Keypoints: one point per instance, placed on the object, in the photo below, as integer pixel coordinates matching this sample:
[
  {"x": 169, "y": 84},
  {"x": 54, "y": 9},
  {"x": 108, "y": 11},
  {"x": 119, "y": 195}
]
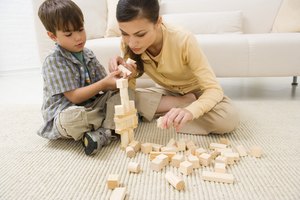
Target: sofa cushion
[
  {"x": 94, "y": 17},
  {"x": 207, "y": 22},
  {"x": 288, "y": 18}
]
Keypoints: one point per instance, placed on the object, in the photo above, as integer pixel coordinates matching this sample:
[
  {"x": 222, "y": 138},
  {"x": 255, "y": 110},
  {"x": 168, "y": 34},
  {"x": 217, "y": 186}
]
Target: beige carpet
[{"x": 35, "y": 168}]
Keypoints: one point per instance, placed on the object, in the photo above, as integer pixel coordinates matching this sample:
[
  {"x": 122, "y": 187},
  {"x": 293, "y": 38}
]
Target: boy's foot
[{"x": 93, "y": 141}]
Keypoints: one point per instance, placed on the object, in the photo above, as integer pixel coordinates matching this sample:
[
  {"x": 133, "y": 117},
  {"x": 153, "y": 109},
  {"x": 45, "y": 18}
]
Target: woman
[{"x": 188, "y": 95}]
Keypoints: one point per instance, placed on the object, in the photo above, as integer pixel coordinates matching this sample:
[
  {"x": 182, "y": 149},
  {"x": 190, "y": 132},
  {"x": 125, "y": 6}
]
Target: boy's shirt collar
[{"x": 87, "y": 55}]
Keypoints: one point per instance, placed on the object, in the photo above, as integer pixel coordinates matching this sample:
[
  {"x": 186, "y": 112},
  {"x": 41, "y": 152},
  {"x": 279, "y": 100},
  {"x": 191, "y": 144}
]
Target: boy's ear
[{"x": 52, "y": 36}]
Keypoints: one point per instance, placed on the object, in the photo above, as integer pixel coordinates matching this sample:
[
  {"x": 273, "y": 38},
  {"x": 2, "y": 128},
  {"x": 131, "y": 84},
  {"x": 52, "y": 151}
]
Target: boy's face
[{"x": 72, "y": 41}]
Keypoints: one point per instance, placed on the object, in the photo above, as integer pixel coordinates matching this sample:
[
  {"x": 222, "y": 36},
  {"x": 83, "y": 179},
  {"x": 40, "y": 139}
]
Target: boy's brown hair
[{"x": 60, "y": 15}]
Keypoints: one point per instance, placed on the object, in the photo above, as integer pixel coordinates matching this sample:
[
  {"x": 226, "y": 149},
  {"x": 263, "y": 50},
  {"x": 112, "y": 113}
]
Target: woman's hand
[
  {"x": 177, "y": 117},
  {"x": 114, "y": 63}
]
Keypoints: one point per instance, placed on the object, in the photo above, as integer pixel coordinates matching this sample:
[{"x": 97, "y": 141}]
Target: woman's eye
[{"x": 141, "y": 35}]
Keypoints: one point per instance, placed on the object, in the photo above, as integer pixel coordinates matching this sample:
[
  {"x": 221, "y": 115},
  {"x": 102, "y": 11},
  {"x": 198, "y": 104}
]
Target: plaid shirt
[{"x": 62, "y": 72}]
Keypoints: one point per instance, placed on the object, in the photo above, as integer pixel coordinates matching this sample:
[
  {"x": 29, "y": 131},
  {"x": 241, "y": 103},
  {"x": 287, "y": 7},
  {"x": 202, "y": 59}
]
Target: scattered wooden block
[
  {"x": 134, "y": 167},
  {"x": 136, "y": 145},
  {"x": 194, "y": 160},
  {"x": 200, "y": 151},
  {"x": 146, "y": 148},
  {"x": 130, "y": 151},
  {"x": 171, "y": 143},
  {"x": 169, "y": 149},
  {"x": 225, "y": 141},
  {"x": 221, "y": 159},
  {"x": 205, "y": 159},
  {"x": 153, "y": 154},
  {"x": 191, "y": 146},
  {"x": 231, "y": 157},
  {"x": 186, "y": 167},
  {"x": 118, "y": 193},
  {"x": 156, "y": 147},
  {"x": 175, "y": 181},
  {"x": 227, "y": 150},
  {"x": 220, "y": 167},
  {"x": 159, "y": 162},
  {"x": 256, "y": 151},
  {"x": 241, "y": 150},
  {"x": 176, "y": 160},
  {"x": 214, "y": 154},
  {"x": 217, "y": 146},
  {"x": 159, "y": 123},
  {"x": 217, "y": 177},
  {"x": 113, "y": 181},
  {"x": 181, "y": 145}
]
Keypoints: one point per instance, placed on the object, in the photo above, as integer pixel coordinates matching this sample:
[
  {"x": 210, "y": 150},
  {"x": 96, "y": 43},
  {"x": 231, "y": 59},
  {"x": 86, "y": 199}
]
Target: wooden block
[
  {"x": 200, "y": 151},
  {"x": 224, "y": 141},
  {"x": 169, "y": 149},
  {"x": 214, "y": 154},
  {"x": 217, "y": 145},
  {"x": 113, "y": 181},
  {"x": 124, "y": 140},
  {"x": 131, "y": 105},
  {"x": 175, "y": 181},
  {"x": 134, "y": 167},
  {"x": 227, "y": 150},
  {"x": 217, "y": 177},
  {"x": 159, "y": 122},
  {"x": 181, "y": 145},
  {"x": 176, "y": 160},
  {"x": 124, "y": 70},
  {"x": 153, "y": 154},
  {"x": 146, "y": 148},
  {"x": 156, "y": 147},
  {"x": 221, "y": 159},
  {"x": 171, "y": 143},
  {"x": 194, "y": 160},
  {"x": 157, "y": 164},
  {"x": 205, "y": 159},
  {"x": 136, "y": 145},
  {"x": 220, "y": 167},
  {"x": 118, "y": 194},
  {"x": 130, "y": 151},
  {"x": 164, "y": 158},
  {"x": 124, "y": 98},
  {"x": 120, "y": 110},
  {"x": 122, "y": 83},
  {"x": 241, "y": 150},
  {"x": 256, "y": 151},
  {"x": 131, "y": 136},
  {"x": 191, "y": 146},
  {"x": 186, "y": 167},
  {"x": 130, "y": 61},
  {"x": 231, "y": 157}
]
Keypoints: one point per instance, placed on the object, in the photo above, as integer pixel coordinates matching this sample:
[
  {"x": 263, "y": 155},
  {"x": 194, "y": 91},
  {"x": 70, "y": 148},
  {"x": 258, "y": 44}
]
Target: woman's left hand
[{"x": 177, "y": 117}]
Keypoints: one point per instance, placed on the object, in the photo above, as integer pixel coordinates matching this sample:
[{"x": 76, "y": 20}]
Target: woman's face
[{"x": 139, "y": 34}]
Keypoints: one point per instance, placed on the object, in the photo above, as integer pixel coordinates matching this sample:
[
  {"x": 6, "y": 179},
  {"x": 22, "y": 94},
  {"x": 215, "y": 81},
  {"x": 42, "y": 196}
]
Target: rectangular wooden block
[
  {"x": 113, "y": 181},
  {"x": 118, "y": 193},
  {"x": 217, "y": 145},
  {"x": 122, "y": 83},
  {"x": 146, "y": 147},
  {"x": 241, "y": 150},
  {"x": 153, "y": 154},
  {"x": 217, "y": 177}
]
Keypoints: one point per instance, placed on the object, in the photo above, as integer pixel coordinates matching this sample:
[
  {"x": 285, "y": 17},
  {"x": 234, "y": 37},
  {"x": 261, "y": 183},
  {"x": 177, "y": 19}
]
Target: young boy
[{"x": 73, "y": 77}]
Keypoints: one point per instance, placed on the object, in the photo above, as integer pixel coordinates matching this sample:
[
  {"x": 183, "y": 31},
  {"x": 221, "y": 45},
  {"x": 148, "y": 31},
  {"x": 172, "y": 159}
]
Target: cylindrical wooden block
[
  {"x": 130, "y": 151},
  {"x": 134, "y": 167},
  {"x": 175, "y": 181},
  {"x": 256, "y": 151}
]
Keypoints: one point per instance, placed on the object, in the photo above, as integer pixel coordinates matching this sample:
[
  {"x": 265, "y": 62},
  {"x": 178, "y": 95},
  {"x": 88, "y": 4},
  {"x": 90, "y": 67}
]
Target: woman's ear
[
  {"x": 159, "y": 21},
  {"x": 52, "y": 36}
]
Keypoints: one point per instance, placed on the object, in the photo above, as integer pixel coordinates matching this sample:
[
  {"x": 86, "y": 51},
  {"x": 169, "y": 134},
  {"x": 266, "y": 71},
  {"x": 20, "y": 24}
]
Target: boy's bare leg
[{"x": 168, "y": 102}]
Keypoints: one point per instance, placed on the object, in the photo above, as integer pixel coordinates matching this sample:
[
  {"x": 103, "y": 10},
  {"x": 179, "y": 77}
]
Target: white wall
[{"x": 18, "y": 47}]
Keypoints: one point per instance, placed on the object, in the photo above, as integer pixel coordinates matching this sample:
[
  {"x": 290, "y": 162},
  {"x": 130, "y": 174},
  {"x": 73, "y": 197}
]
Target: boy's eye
[
  {"x": 68, "y": 34},
  {"x": 82, "y": 29}
]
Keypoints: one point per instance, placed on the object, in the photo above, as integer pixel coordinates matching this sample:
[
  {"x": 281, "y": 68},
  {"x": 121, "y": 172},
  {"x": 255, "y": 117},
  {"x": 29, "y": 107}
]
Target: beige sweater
[{"x": 181, "y": 67}]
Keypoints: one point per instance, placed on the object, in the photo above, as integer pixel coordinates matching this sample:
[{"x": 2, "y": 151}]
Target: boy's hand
[
  {"x": 177, "y": 117},
  {"x": 110, "y": 80}
]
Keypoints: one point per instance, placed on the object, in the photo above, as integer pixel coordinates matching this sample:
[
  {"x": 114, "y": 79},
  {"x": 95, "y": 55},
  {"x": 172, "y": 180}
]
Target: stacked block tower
[{"x": 125, "y": 118}]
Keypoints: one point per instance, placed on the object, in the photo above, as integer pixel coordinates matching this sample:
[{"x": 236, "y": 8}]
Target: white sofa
[{"x": 241, "y": 38}]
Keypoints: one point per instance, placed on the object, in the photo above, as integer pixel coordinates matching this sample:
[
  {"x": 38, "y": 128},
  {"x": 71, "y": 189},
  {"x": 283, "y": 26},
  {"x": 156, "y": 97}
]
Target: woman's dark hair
[{"x": 128, "y": 10}]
